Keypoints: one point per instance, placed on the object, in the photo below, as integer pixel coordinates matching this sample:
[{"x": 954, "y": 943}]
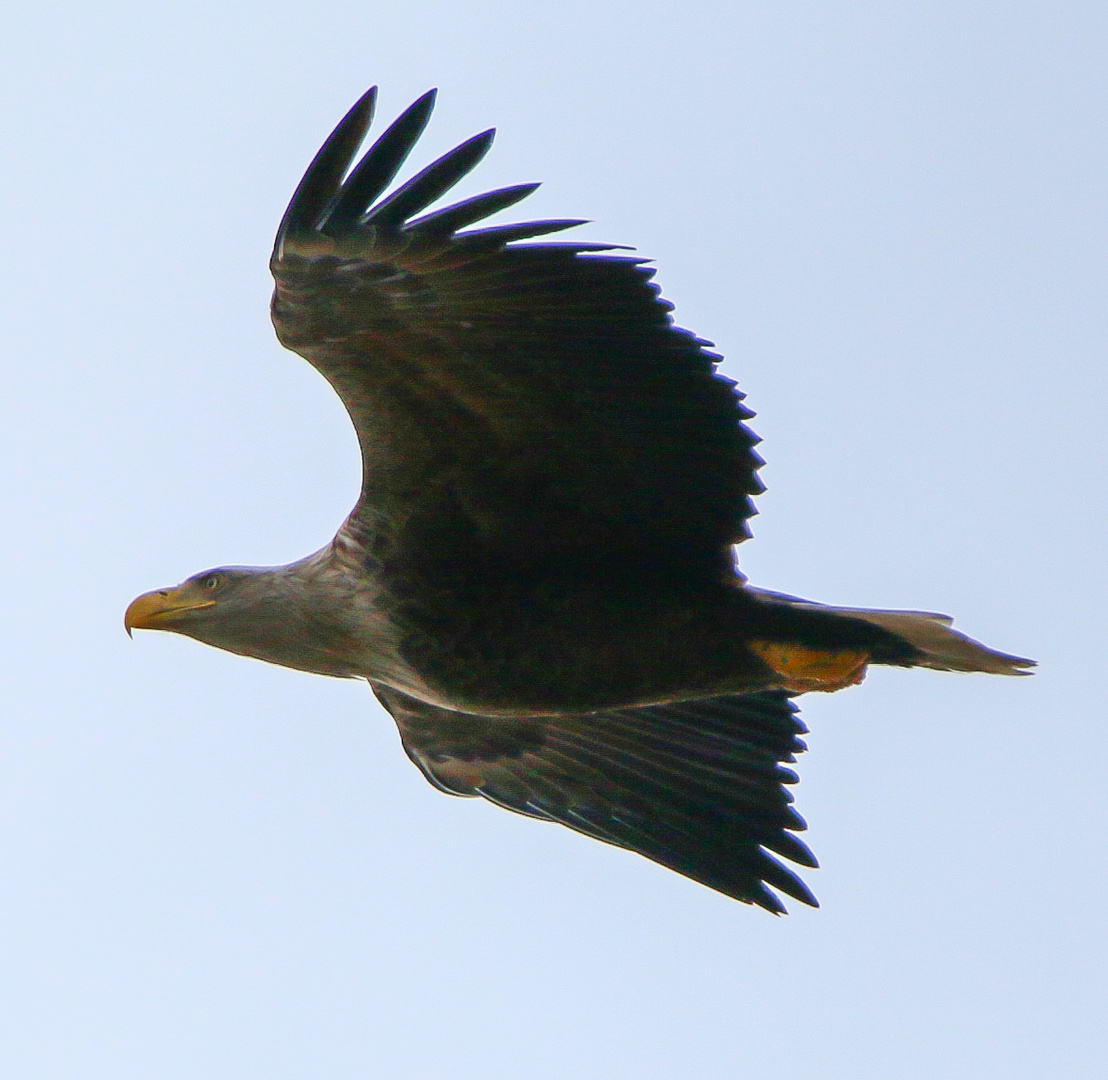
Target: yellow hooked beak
[{"x": 155, "y": 610}]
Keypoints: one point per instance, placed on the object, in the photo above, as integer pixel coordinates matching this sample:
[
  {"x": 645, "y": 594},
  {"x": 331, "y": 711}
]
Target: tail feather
[{"x": 943, "y": 648}]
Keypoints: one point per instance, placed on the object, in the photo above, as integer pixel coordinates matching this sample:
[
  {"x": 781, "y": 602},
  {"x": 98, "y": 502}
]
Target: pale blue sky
[{"x": 890, "y": 216}]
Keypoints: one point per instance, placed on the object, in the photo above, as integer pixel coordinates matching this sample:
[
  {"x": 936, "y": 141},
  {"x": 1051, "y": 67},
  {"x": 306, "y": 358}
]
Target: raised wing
[
  {"x": 520, "y": 402},
  {"x": 698, "y": 787}
]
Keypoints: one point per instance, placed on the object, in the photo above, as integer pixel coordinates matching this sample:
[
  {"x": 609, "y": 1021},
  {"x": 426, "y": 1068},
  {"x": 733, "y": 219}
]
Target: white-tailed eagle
[{"x": 538, "y": 580}]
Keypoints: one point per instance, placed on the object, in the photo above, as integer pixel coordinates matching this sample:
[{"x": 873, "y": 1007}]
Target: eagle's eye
[{"x": 210, "y": 582}]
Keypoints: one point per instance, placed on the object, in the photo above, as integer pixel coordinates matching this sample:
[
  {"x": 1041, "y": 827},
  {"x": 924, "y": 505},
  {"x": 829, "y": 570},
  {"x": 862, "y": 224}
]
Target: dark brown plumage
[{"x": 538, "y": 579}]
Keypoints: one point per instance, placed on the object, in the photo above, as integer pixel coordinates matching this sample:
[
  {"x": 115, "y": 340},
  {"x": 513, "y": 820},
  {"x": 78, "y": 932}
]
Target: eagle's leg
[{"x": 803, "y": 669}]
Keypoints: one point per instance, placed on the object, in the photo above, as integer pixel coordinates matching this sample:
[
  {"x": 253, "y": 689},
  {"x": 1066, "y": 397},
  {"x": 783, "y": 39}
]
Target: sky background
[{"x": 891, "y": 217}]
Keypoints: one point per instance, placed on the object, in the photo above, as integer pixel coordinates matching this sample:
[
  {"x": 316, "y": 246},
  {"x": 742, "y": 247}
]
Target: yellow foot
[{"x": 803, "y": 669}]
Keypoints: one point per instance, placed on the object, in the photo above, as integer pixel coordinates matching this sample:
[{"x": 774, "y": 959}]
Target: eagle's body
[{"x": 539, "y": 579}]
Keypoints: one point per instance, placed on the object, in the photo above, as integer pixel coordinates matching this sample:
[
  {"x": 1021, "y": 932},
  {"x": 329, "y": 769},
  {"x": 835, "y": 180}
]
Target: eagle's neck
[{"x": 298, "y": 616}]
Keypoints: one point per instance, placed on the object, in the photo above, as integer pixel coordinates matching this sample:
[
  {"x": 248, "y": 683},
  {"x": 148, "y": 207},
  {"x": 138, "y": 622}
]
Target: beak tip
[{"x": 138, "y": 611}]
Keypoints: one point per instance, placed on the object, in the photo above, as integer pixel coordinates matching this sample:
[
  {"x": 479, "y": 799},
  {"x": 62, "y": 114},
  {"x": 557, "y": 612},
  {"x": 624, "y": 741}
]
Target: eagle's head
[{"x": 293, "y": 615}]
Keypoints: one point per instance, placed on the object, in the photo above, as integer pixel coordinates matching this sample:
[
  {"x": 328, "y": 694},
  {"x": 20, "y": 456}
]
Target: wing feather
[
  {"x": 452, "y": 218},
  {"x": 381, "y": 163},
  {"x": 528, "y": 402},
  {"x": 697, "y": 787},
  {"x": 323, "y": 178},
  {"x": 430, "y": 184}
]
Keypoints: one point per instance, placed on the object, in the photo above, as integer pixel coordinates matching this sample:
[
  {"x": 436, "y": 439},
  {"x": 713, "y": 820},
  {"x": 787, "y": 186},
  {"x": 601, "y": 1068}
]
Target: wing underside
[
  {"x": 699, "y": 787},
  {"x": 527, "y": 398}
]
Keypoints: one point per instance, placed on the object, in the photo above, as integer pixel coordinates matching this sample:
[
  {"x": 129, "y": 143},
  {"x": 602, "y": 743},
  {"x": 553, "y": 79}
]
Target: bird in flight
[{"x": 538, "y": 580}]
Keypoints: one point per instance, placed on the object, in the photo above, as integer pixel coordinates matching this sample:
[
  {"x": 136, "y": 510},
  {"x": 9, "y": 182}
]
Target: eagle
[{"x": 538, "y": 580}]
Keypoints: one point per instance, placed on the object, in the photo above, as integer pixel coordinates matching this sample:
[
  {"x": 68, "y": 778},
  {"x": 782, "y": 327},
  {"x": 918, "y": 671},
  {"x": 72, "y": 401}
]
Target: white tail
[{"x": 943, "y": 647}]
